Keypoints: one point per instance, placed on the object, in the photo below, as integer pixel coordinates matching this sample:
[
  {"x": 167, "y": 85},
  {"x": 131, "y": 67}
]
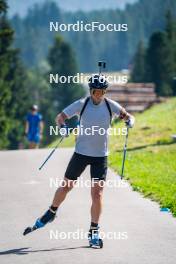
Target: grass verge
[{"x": 151, "y": 158}]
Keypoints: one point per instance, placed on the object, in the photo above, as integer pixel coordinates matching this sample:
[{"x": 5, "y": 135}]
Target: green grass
[{"x": 151, "y": 158}]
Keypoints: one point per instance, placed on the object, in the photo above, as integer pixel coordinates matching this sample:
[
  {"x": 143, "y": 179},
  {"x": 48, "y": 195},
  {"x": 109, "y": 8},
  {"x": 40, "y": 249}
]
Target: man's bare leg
[
  {"x": 33, "y": 145},
  {"x": 62, "y": 191},
  {"x": 59, "y": 197},
  {"x": 96, "y": 208}
]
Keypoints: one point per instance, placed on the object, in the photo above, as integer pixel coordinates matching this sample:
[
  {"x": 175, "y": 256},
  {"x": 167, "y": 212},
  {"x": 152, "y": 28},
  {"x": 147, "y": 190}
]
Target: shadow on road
[{"x": 23, "y": 251}]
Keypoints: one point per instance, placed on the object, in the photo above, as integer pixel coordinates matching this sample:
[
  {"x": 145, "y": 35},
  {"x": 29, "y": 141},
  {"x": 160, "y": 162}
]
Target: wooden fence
[{"x": 135, "y": 97}]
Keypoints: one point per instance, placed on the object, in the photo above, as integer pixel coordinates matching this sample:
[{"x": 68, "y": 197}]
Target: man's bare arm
[
  {"x": 41, "y": 127},
  {"x": 26, "y": 127}
]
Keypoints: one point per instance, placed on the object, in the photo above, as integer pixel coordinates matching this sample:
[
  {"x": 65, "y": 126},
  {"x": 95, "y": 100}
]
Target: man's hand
[
  {"x": 64, "y": 131},
  {"x": 130, "y": 122},
  {"x": 60, "y": 119}
]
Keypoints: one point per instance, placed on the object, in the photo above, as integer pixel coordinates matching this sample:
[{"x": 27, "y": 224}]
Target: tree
[
  {"x": 139, "y": 67},
  {"x": 171, "y": 49},
  {"x": 62, "y": 61},
  {"x": 161, "y": 58},
  {"x": 6, "y": 36},
  {"x": 158, "y": 63},
  {"x": 13, "y": 94},
  {"x": 20, "y": 100}
]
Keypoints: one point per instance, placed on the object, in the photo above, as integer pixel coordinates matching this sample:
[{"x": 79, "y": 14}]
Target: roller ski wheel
[
  {"x": 48, "y": 217},
  {"x": 96, "y": 243},
  {"x": 29, "y": 229},
  {"x": 94, "y": 239}
]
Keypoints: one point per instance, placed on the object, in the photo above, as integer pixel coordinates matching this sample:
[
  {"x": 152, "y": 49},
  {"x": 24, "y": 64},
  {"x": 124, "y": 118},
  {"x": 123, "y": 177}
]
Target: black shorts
[{"x": 78, "y": 163}]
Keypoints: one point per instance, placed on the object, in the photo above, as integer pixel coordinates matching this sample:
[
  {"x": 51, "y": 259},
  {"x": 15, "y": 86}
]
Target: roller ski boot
[
  {"x": 48, "y": 217},
  {"x": 94, "y": 239}
]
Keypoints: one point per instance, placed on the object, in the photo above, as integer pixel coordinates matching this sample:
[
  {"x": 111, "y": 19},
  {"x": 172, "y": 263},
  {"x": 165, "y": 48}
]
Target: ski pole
[
  {"x": 49, "y": 156},
  {"x": 124, "y": 153}
]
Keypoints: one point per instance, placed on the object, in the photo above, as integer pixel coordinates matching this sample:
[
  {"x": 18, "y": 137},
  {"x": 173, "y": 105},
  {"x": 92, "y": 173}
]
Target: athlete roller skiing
[{"x": 95, "y": 110}]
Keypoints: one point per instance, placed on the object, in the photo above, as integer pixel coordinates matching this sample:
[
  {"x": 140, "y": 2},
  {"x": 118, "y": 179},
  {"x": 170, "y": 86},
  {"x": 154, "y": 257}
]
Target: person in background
[{"x": 34, "y": 127}]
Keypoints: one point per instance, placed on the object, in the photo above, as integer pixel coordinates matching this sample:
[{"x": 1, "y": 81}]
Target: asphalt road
[{"x": 134, "y": 229}]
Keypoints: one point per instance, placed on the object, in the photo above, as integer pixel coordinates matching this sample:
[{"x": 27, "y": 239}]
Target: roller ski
[
  {"x": 94, "y": 239},
  {"x": 48, "y": 217}
]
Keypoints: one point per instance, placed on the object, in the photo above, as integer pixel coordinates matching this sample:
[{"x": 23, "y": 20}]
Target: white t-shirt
[{"x": 95, "y": 120}]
